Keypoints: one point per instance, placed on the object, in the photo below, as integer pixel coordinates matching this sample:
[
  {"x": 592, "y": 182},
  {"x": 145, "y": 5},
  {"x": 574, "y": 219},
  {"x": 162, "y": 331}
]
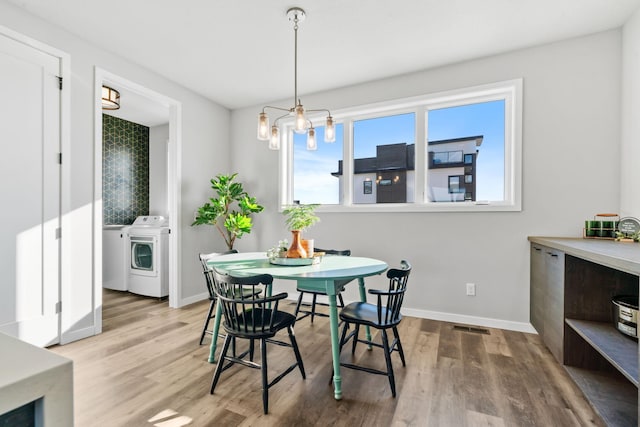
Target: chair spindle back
[
  {"x": 245, "y": 312},
  {"x": 390, "y": 312}
]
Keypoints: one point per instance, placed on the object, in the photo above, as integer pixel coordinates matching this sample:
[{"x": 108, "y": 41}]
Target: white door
[{"x": 30, "y": 193}]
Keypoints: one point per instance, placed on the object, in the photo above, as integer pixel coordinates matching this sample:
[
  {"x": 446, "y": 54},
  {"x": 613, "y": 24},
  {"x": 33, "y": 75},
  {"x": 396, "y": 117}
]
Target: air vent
[{"x": 471, "y": 329}]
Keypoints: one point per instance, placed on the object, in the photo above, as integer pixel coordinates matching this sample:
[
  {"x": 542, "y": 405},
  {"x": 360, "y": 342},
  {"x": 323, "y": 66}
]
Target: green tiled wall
[{"x": 125, "y": 170}]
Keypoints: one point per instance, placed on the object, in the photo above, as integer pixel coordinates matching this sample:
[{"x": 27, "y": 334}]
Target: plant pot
[{"x": 296, "y": 250}]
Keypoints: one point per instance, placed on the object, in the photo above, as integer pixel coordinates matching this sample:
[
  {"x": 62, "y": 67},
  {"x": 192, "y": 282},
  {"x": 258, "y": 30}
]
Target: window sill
[{"x": 422, "y": 207}]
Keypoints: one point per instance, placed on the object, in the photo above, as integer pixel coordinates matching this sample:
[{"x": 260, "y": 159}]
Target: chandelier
[{"x": 301, "y": 123}]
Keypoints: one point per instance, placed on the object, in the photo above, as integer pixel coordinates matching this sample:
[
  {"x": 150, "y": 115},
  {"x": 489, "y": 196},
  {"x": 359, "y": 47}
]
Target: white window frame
[{"x": 510, "y": 91}]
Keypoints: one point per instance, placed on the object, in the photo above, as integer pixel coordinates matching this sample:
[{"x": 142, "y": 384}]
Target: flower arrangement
[{"x": 279, "y": 250}]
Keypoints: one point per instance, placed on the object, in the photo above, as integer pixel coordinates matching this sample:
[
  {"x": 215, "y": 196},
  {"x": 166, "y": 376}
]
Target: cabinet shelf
[
  {"x": 619, "y": 350},
  {"x": 613, "y": 398}
]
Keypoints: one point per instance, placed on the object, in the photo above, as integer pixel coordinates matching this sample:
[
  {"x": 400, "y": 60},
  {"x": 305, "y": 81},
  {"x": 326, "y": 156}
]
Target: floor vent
[{"x": 471, "y": 329}]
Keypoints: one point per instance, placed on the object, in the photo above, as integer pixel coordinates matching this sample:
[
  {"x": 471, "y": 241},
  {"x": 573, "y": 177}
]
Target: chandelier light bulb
[
  {"x": 274, "y": 141},
  {"x": 311, "y": 139},
  {"x": 263, "y": 127},
  {"x": 329, "y": 130},
  {"x": 301, "y": 120}
]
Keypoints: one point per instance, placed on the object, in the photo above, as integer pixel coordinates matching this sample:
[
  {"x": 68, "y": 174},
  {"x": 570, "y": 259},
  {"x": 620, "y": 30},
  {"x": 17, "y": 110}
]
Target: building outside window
[{"x": 440, "y": 173}]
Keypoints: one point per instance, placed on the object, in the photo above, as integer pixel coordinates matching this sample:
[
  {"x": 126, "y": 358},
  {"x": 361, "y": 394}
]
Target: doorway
[{"x": 162, "y": 115}]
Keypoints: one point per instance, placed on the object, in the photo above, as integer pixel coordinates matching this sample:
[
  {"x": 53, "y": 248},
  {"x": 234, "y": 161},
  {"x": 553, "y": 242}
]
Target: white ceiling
[{"x": 240, "y": 53}]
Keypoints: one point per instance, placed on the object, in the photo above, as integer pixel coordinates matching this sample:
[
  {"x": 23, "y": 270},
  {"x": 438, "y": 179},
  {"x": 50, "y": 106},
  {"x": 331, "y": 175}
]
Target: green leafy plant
[
  {"x": 232, "y": 224},
  {"x": 300, "y": 217}
]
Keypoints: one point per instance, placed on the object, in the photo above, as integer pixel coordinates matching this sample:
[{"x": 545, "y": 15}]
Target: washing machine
[{"x": 148, "y": 267}]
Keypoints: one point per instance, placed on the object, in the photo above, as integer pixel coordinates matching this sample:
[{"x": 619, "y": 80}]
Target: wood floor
[{"x": 147, "y": 369}]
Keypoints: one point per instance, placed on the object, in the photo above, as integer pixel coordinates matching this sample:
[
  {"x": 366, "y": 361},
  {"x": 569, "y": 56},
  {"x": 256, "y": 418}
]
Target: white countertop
[{"x": 28, "y": 373}]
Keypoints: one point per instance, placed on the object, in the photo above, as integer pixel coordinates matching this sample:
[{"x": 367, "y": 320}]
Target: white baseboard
[
  {"x": 71, "y": 336},
  {"x": 458, "y": 318},
  {"x": 192, "y": 299},
  {"x": 471, "y": 320}
]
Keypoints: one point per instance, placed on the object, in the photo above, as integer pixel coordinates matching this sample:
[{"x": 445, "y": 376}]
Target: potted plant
[
  {"x": 299, "y": 218},
  {"x": 219, "y": 211}
]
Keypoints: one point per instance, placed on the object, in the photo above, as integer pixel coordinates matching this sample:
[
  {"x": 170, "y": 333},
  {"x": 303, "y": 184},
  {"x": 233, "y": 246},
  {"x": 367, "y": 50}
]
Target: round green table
[{"x": 321, "y": 276}]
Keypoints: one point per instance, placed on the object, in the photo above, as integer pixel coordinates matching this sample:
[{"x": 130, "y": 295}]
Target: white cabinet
[{"x": 115, "y": 259}]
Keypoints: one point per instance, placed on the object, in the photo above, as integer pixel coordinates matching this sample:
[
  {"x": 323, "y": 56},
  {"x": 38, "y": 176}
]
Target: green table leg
[
  {"x": 335, "y": 344},
  {"x": 214, "y": 335},
  {"x": 363, "y": 298}
]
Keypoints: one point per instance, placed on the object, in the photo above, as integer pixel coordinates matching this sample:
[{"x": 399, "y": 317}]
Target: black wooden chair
[
  {"x": 248, "y": 317},
  {"x": 212, "y": 297},
  {"x": 312, "y": 311},
  {"x": 383, "y": 315}
]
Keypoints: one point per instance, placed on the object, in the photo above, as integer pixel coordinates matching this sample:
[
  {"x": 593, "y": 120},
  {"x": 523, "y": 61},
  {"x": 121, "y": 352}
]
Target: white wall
[
  {"x": 158, "y": 178},
  {"x": 205, "y": 136},
  {"x": 630, "y": 146},
  {"x": 571, "y": 161}
]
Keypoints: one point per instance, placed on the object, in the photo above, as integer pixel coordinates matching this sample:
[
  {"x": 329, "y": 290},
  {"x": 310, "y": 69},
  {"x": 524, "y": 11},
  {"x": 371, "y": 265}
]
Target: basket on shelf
[{"x": 603, "y": 226}]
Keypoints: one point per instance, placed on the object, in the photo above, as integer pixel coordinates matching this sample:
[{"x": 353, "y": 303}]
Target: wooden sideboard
[{"x": 572, "y": 283}]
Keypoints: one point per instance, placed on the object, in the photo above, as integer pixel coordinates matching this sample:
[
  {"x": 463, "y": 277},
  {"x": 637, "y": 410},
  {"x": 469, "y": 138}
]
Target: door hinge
[
  {"x": 58, "y": 233},
  {"x": 60, "y": 158},
  {"x": 60, "y": 82},
  {"x": 59, "y": 307}
]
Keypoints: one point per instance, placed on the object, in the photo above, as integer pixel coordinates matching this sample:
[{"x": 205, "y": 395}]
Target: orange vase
[{"x": 296, "y": 250}]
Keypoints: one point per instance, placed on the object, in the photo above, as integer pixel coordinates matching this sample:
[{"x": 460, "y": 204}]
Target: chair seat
[
  {"x": 256, "y": 318},
  {"x": 366, "y": 314}
]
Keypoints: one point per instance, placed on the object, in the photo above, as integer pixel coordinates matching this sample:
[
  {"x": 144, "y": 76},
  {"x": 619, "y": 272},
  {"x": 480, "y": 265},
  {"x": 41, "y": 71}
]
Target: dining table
[{"x": 325, "y": 275}]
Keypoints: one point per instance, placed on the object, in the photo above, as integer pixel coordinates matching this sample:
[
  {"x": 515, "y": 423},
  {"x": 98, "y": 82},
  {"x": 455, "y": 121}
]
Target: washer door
[{"x": 143, "y": 256}]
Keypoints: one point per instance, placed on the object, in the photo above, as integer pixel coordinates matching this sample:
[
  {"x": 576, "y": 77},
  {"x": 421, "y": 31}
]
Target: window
[
  {"x": 314, "y": 179},
  {"x": 445, "y": 158},
  {"x": 476, "y": 129},
  {"x": 380, "y": 153},
  {"x": 454, "y": 185},
  {"x": 452, "y": 151},
  {"x": 368, "y": 187}
]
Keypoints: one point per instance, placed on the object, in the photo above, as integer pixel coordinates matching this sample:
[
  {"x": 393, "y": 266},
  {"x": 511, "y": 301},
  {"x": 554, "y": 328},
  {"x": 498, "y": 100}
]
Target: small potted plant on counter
[{"x": 299, "y": 218}]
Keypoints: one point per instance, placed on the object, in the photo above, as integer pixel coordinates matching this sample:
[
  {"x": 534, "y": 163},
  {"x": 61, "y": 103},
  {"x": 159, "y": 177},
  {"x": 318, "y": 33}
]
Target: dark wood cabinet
[
  {"x": 573, "y": 313},
  {"x": 547, "y": 296}
]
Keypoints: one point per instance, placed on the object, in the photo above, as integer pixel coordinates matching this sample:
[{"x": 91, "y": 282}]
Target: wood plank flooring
[{"x": 147, "y": 369}]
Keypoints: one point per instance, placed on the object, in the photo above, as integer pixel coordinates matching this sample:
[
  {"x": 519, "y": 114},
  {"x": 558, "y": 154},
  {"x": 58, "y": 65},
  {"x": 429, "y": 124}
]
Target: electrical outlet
[{"x": 471, "y": 289}]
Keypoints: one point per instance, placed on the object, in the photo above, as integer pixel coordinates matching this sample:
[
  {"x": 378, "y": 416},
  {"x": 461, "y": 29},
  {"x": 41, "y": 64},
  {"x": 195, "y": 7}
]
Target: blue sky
[{"x": 312, "y": 169}]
